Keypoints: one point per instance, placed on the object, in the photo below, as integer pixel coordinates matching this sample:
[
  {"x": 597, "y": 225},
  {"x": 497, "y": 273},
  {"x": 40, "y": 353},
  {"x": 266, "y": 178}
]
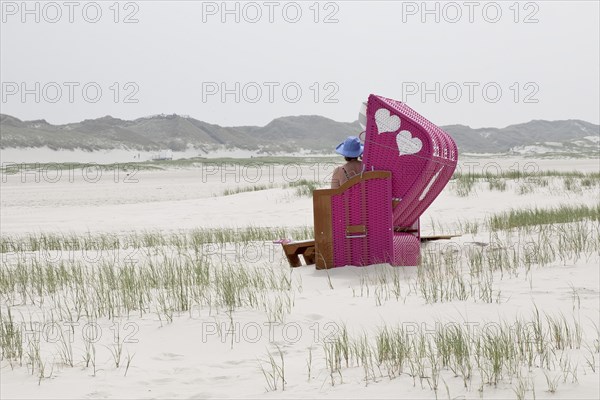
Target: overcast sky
[{"x": 481, "y": 64}]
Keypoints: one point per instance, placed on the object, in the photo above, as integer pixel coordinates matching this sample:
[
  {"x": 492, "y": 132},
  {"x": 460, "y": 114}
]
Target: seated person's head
[{"x": 351, "y": 148}]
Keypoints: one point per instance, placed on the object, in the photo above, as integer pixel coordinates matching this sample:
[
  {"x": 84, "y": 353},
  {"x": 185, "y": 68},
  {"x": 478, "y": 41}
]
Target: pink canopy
[{"x": 374, "y": 217}]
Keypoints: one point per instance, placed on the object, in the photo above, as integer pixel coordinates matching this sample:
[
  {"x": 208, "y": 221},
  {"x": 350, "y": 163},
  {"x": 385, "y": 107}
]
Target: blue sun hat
[{"x": 351, "y": 147}]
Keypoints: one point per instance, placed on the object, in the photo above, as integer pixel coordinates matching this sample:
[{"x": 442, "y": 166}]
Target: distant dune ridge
[{"x": 286, "y": 134}]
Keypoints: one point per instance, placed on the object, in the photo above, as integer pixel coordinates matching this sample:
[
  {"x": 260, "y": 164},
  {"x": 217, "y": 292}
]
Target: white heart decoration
[
  {"x": 386, "y": 122},
  {"x": 408, "y": 144}
]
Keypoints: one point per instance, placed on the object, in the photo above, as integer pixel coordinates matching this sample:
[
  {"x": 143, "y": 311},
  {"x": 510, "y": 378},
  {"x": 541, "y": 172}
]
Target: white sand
[{"x": 187, "y": 359}]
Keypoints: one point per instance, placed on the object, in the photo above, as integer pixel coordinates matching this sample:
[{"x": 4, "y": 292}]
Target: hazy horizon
[
  {"x": 283, "y": 116},
  {"x": 194, "y": 58}
]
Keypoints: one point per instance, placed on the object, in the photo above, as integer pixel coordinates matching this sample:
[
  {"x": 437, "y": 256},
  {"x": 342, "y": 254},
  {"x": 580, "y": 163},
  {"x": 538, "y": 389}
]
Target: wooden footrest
[
  {"x": 306, "y": 248},
  {"x": 437, "y": 237}
]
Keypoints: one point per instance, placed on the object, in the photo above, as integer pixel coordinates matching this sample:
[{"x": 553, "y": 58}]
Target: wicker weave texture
[
  {"x": 363, "y": 205},
  {"x": 407, "y": 249}
]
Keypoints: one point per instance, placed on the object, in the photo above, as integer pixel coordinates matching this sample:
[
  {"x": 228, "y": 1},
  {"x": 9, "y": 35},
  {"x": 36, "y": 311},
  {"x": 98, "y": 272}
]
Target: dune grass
[
  {"x": 483, "y": 354},
  {"x": 564, "y": 213},
  {"x": 244, "y": 189},
  {"x": 453, "y": 271},
  {"x": 524, "y": 182},
  {"x": 305, "y": 187},
  {"x": 165, "y": 285},
  {"x": 180, "y": 240},
  {"x": 518, "y": 174},
  {"x": 192, "y": 162}
]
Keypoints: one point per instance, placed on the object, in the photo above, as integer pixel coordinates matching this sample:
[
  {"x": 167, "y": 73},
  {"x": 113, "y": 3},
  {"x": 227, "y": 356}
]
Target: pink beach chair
[{"x": 374, "y": 217}]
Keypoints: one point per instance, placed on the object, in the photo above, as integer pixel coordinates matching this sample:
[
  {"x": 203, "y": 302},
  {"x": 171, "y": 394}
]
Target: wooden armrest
[{"x": 353, "y": 181}]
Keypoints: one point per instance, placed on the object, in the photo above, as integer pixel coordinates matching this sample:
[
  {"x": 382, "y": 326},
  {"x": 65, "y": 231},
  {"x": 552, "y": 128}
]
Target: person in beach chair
[{"x": 351, "y": 149}]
